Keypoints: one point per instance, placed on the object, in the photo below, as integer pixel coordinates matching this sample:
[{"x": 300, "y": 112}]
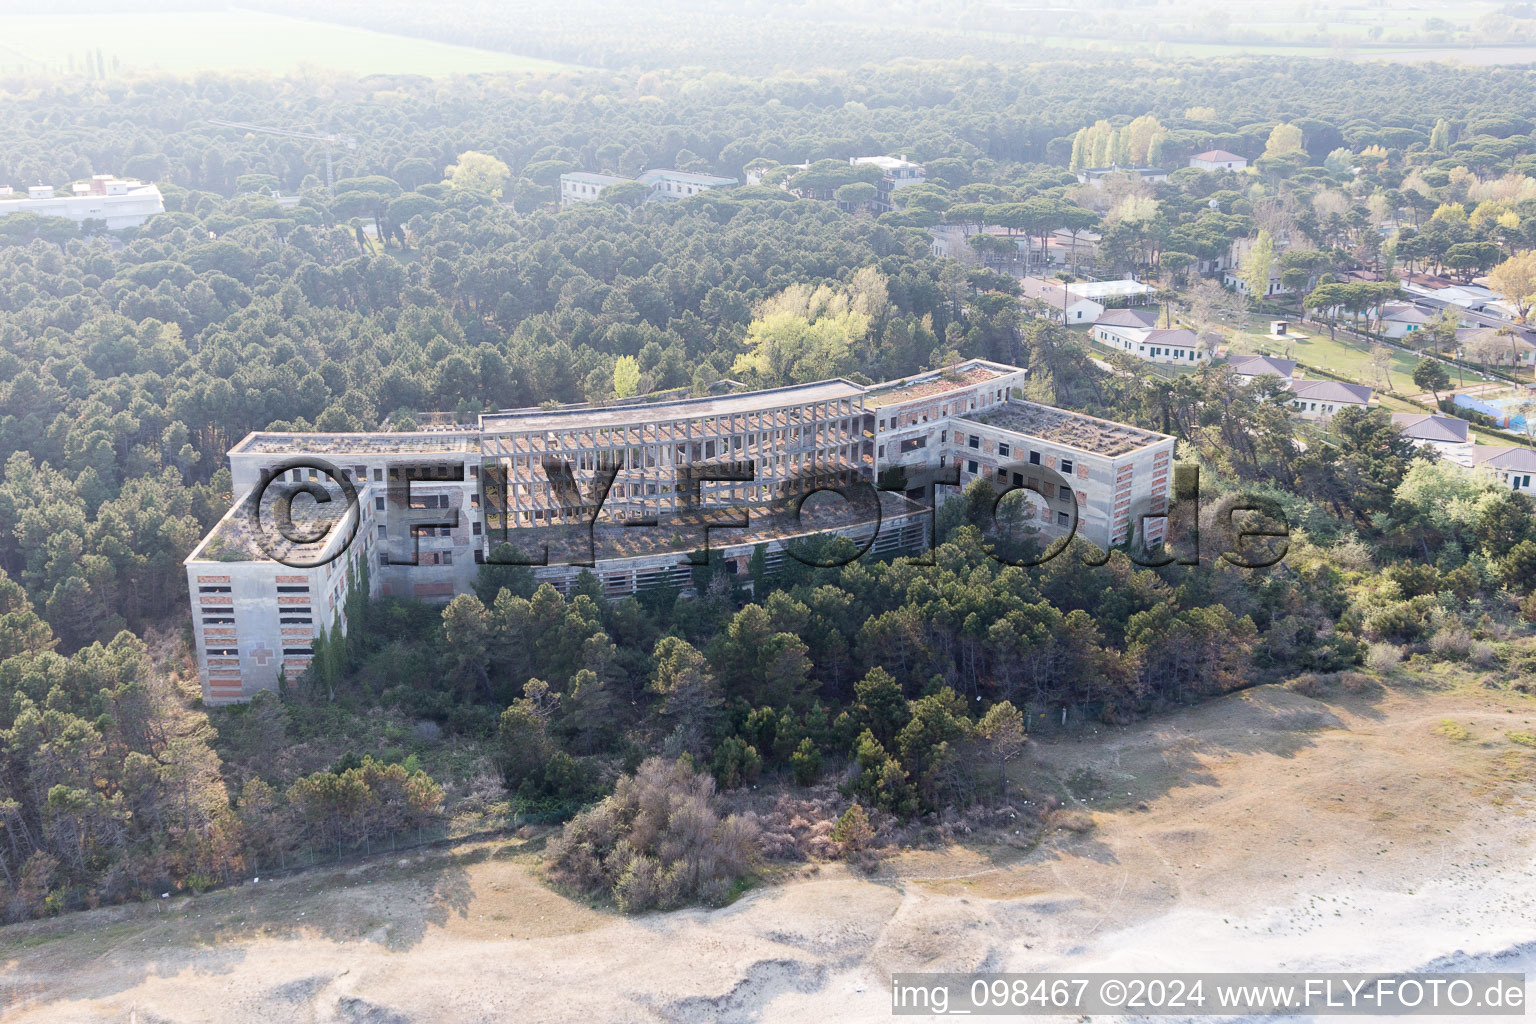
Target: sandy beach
[{"x": 1263, "y": 831}]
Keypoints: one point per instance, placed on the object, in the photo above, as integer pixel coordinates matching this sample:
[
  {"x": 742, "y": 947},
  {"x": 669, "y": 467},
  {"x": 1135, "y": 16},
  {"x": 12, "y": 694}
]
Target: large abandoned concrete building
[{"x": 634, "y": 492}]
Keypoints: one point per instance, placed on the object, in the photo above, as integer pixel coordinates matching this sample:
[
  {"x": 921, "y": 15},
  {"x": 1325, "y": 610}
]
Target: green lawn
[
  {"x": 1347, "y": 358},
  {"x": 184, "y": 42}
]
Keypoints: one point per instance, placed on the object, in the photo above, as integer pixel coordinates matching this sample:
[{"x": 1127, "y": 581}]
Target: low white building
[
  {"x": 664, "y": 183},
  {"x": 1119, "y": 292},
  {"x": 1321, "y": 400},
  {"x": 1501, "y": 346},
  {"x": 118, "y": 202},
  {"x": 669, "y": 184},
  {"x": 1400, "y": 319},
  {"x": 1134, "y": 332},
  {"x": 1218, "y": 160},
  {"x": 1448, "y": 436},
  {"x": 1512, "y": 465},
  {"x": 584, "y": 186},
  {"x": 1249, "y": 368},
  {"x": 1095, "y": 175},
  {"x": 1068, "y": 306},
  {"x": 1176, "y": 345}
]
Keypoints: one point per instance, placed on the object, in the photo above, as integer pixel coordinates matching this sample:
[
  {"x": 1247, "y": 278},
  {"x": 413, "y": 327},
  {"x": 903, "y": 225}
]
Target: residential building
[
  {"x": 670, "y": 184},
  {"x": 1321, "y": 400},
  {"x": 1095, "y": 175},
  {"x": 666, "y": 184},
  {"x": 583, "y": 186},
  {"x": 1511, "y": 465},
  {"x": 1400, "y": 319},
  {"x": 117, "y": 202},
  {"x": 1067, "y": 306},
  {"x": 1464, "y": 297},
  {"x": 1232, "y": 277},
  {"x": 1249, "y": 368},
  {"x": 1218, "y": 160},
  {"x": 630, "y": 492},
  {"x": 895, "y": 173},
  {"x": 1500, "y": 346},
  {"x": 1135, "y": 332},
  {"x": 1448, "y": 436}
]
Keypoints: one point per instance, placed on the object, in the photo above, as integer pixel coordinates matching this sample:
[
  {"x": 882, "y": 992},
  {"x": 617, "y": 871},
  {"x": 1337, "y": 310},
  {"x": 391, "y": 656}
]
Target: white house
[
  {"x": 1232, "y": 277},
  {"x": 1321, "y": 399},
  {"x": 1172, "y": 345},
  {"x": 1064, "y": 302},
  {"x": 119, "y": 202},
  {"x": 1512, "y": 465},
  {"x": 1501, "y": 346},
  {"x": 665, "y": 183},
  {"x": 583, "y": 186},
  {"x": 1218, "y": 160},
  {"x": 1400, "y": 319},
  {"x": 1095, "y": 175},
  {"x": 1447, "y": 436},
  {"x": 669, "y": 184},
  {"x": 1134, "y": 332},
  {"x": 1124, "y": 329},
  {"x": 1249, "y": 368}
]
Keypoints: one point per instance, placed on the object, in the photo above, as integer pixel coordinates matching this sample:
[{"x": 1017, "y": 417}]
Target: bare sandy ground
[{"x": 1265, "y": 831}]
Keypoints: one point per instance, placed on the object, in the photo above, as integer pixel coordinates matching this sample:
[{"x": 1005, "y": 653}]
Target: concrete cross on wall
[{"x": 263, "y": 655}]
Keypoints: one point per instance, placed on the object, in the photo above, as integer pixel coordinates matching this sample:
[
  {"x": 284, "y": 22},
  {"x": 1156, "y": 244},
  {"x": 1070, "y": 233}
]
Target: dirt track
[{"x": 1275, "y": 829}]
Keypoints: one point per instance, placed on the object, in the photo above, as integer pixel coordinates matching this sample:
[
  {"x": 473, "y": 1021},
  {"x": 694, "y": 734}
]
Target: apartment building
[
  {"x": 118, "y": 202},
  {"x": 632, "y": 492},
  {"x": 895, "y": 173}
]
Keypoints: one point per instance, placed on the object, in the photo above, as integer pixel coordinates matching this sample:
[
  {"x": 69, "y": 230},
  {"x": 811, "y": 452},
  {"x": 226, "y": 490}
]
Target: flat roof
[
  {"x": 1107, "y": 289},
  {"x": 235, "y": 537},
  {"x": 693, "y": 176},
  {"x": 460, "y": 439},
  {"x": 938, "y": 382},
  {"x": 597, "y": 417},
  {"x": 592, "y": 178},
  {"x": 1069, "y": 429}
]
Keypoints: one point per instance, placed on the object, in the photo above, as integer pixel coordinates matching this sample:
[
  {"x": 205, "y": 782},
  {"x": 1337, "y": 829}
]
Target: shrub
[
  {"x": 1450, "y": 643},
  {"x": 658, "y": 841},
  {"x": 1308, "y": 684},
  {"x": 1355, "y": 682},
  {"x": 1528, "y": 608},
  {"x": 1482, "y": 653},
  {"x": 1078, "y": 822},
  {"x": 1383, "y": 657}
]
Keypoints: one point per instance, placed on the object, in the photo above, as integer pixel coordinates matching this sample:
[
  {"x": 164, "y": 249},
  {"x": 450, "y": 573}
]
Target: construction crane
[{"x": 331, "y": 140}]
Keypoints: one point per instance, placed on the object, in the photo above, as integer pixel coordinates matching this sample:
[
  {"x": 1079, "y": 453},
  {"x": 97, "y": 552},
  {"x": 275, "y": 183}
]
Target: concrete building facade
[
  {"x": 631, "y": 492},
  {"x": 118, "y": 202}
]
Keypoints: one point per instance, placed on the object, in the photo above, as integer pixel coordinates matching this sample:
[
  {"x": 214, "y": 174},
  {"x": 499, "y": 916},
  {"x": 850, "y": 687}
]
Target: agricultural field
[{"x": 192, "y": 41}]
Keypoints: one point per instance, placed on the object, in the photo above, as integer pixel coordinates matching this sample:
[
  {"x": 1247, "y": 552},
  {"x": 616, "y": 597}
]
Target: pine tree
[{"x": 853, "y": 829}]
